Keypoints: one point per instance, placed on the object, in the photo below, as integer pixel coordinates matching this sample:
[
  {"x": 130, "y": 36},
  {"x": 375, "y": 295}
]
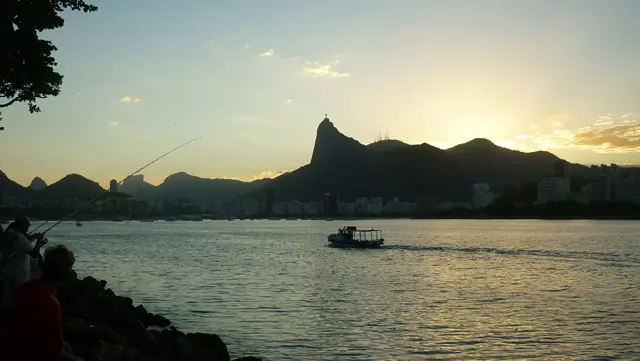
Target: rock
[
  {"x": 111, "y": 352},
  {"x": 132, "y": 354},
  {"x": 99, "y": 325}
]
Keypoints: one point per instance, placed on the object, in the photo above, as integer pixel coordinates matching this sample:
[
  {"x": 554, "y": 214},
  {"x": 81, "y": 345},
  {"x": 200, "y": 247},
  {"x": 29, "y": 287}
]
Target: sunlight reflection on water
[{"x": 443, "y": 289}]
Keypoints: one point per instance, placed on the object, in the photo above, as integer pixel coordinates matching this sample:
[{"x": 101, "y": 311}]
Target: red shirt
[{"x": 34, "y": 324}]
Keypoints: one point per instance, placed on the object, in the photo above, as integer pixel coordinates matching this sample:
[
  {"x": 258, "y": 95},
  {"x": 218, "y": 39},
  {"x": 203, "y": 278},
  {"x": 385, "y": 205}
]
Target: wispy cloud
[
  {"x": 269, "y": 174},
  {"x": 128, "y": 99},
  {"x": 316, "y": 69},
  {"x": 557, "y": 118},
  {"x": 269, "y": 52},
  {"x": 114, "y": 123},
  {"x": 606, "y": 135}
]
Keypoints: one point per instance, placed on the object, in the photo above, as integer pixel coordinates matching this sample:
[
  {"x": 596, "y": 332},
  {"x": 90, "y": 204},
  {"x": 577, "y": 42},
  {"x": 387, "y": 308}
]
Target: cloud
[
  {"x": 269, "y": 174},
  {"x": 128, "y": 99},
  {"x": 114, "y": 123},
  {"x": 269, "y": 52},
  {"x": 557, "y": 118},
  {"x": 606, "y": 135},
  {"x": 316, "y": 69},
  {"x": 289, "y": 101}
]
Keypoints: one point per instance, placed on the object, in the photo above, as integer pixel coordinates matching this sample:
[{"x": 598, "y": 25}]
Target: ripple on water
[{"x": 446, "y": 290}]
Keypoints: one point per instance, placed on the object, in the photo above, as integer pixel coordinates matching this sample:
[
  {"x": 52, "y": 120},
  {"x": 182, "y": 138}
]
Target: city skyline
[{"x": 529, "y": 75}]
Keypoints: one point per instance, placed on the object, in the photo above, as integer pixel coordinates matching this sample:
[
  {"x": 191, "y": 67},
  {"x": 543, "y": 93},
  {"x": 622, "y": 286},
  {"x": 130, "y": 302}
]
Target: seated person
[{"x": 34, "y": 325}]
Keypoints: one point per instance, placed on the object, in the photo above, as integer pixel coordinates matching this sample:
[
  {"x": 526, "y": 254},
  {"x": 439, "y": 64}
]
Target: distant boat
[
  {"x": 351, "y": 237},
  {"x": 78, "y": 224}
]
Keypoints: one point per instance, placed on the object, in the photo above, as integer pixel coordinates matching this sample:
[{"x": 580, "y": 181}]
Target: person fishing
[
  {"x": 20, "y": 257},
  {"x": 34, "y": 325}
]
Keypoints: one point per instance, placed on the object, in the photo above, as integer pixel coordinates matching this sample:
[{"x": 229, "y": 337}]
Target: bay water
[{"x": 438, "y": 289}]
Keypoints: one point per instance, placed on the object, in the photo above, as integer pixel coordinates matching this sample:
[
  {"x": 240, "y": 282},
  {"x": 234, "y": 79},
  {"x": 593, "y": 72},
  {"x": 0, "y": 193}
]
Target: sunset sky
[{"x": 255, "y": 78}]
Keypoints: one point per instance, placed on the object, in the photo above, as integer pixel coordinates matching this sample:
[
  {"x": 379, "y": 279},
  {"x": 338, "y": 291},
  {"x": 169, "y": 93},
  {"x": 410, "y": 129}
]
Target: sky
[{"x": 255, "y": 78}]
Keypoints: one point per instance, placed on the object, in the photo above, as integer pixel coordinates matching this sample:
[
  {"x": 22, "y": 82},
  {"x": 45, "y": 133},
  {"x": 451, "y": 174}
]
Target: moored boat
[{"x": 351, "y": 237}]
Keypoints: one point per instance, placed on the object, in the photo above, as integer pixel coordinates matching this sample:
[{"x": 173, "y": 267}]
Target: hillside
[
  {"x": 392, "y": 168},
  {"x": 72, "y": 186},
  {"x": 186, "y": 187},
  {"x": 9, "y": 188}
]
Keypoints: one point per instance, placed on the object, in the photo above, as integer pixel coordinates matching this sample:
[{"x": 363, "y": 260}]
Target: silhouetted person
[
  {"x": 20, "y": 256},
  {"x": 34, "y": 326}
]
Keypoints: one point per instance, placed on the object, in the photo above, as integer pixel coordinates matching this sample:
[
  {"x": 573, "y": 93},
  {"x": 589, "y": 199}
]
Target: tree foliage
[{"x": 26, "y": 61}]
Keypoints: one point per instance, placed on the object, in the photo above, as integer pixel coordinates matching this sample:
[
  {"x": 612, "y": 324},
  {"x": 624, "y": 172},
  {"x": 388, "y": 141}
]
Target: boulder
[{"x": 99, "y": 325}]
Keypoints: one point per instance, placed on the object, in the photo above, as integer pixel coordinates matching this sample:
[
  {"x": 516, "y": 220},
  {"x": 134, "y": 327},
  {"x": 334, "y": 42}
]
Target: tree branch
[{"x": 9, "y": 103}]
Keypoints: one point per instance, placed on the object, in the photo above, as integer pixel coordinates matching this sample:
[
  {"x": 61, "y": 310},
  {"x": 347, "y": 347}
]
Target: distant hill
[
  {"x": 9, "y": 188},
  {"x": 392, "y": 168},
  {"x": 72, "y": 186},
  {"x": 138, "y": 188},
  {"x": 386, "y": 145},
  {"x": 38, "y": 184},
  {"x": 183, "y": 186}
]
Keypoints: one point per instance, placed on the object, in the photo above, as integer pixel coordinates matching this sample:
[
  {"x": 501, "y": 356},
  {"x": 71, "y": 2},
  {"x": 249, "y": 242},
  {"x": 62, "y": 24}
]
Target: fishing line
[{"x": 106, "y": 190}]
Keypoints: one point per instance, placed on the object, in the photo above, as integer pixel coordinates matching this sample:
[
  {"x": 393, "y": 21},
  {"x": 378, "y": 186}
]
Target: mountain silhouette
[
  {"x": 72, "y": 186},
  {"x": 38, "y": 184},
  {"x": 386, "y": 145},
  {"x": 184, "y": 186},
  {"x": 340, "y": 164},
  {"x": 391, "y": 168},
  {"x": 9, "y": 188},
  {"x": 138, "y": 188}
]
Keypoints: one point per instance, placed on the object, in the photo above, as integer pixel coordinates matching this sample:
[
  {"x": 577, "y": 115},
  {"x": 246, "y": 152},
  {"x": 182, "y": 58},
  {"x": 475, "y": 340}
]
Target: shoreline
[
  {"x": 349, "y": 219},
  {"x": 100, "y": 325}
]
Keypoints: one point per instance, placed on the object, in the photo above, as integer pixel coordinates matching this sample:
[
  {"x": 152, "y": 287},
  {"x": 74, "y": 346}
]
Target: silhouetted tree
[{"x": 26, "y": 62}]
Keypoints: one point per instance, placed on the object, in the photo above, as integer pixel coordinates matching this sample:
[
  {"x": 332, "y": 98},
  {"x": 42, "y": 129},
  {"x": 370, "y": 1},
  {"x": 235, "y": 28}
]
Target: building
[
  {"x": 312, "y": 208},
  {"x": 346, "y": 208},
  {"x": 396, "y": 206},
  {"x": 603, "y": 183},
  {"x": 294, "y": 208},
  {"x": 553, "y": 189},
  {"x": 361, "y": 205},
  {"x": 376, "y": 205},
  {"x": 330, "y": 203},
  {"x": 269, "y": 201},
  {"x": 482, "y": 195},
  {"x": 113, "y": 186},
  {"x": 561, "y": 169}
]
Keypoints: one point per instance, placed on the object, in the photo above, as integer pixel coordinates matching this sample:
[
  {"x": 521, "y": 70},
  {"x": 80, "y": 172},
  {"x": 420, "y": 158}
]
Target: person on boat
[
  {"x": 34, "y": 324},
  {"x": 20, "y": 257}
]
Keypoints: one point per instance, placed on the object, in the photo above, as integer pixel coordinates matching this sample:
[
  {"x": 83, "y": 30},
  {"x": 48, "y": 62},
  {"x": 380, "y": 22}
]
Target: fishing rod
[{"x": 122, "y": 181}]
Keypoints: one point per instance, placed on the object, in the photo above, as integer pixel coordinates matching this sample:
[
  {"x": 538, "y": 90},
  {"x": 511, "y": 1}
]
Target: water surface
[{"x": 439, "y": 289}]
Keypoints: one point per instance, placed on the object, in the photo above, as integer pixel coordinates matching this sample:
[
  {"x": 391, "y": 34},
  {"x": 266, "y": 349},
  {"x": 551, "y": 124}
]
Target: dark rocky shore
[{"x": 100, "y": 325}]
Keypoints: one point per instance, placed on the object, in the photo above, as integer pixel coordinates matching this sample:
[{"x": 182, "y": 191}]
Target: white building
[
  {"x": 553, "y": 189},
  {"x": 397, "y": 207},
  {"x": 294, "y": 208},
  {"x": 482, "y": 195},
  {"x": 312, "y": 208},
  {"x": 375, "y": 206},
  {"x": 280, "y": 209}
]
